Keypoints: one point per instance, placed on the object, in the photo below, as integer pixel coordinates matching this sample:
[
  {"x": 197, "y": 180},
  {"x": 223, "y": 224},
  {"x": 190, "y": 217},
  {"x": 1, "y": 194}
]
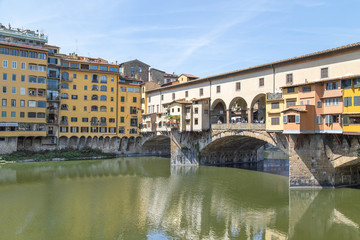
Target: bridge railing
[{"x": 239, "y": 126}]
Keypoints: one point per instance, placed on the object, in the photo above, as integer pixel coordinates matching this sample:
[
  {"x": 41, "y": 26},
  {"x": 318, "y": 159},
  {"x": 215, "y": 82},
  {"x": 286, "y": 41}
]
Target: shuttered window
[
  {"x": 297, "y": 118},
  {"x": 285, "y": 119},
  {"x": 345, "y": 120},
  {"x": 356, "y": 100},
  {"x": 347, "y": 101}
]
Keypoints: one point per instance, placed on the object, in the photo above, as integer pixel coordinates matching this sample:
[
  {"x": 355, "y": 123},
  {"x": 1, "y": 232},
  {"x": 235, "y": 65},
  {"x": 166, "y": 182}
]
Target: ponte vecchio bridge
[{"x": 298, "y": 105}]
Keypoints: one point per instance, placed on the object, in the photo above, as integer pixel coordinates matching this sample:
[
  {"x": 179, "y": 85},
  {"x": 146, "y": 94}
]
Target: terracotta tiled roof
[{"x": 189, "y": 76}]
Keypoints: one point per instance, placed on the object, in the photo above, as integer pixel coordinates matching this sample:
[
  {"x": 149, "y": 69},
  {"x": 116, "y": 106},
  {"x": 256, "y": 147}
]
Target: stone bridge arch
[
  {"x": 229, "y": 146},
  {"x": 156, "y": 144}
]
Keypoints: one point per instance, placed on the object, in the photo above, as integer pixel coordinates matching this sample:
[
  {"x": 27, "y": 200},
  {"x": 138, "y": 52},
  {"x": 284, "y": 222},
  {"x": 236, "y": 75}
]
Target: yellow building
[
  {"x": 129, "y": 109},
  {"x": 23, "y": 63},
  {"x": 351, "y": 107},
  {"x": 88, "y": 97},
  {"x": 274, "y": 107}
]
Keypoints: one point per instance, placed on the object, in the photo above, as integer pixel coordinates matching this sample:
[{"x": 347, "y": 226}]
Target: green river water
[{"x": 146, "y": 198}]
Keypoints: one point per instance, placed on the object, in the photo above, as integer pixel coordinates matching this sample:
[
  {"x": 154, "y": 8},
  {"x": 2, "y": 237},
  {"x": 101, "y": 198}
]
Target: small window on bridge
[
  {"x": 275, "y": 105},
  {"x": 275, "y": 121}
]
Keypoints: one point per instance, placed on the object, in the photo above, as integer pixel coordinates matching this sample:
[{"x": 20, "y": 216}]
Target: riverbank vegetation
[{"x": 48, "y": 155}]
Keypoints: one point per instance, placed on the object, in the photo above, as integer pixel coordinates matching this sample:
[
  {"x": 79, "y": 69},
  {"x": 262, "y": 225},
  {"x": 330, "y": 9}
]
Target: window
[
  {"x": 64, "y": 129},
  {"x": 331, "y": 85},
  {"x": 353, "y": 120},
  {"x": 301, "y": 102},
  {"x": 94, "y": 88},
  {"x": 31, "y": 104},
  {"x": 94, "y": 97},
  {"x": 4, "y": 89},
  {"x": 261, "y": 82},
  {"x": 306, "y": 89},
  {"x": 93, "y": 67},
  {"x": 22, "y": 78},
  {"x": 74, "y": 65},
  {"x": 31, "y": 114},
  {"x": 3, "y": 114},
  {"x": 347, "y": 101},
  {"x": 85, "y": 119},
  {"x": 173, "y": 96},
  {"x": 134, "y": 99},
  {"x": 111, "y": 109},
  {"x": 103, "y": 88},
  {"x": 41, "y": 68},
  {"x": 318, "y": 104},
  {"x": 41, "y": 80},
  {"x": 103, "y": 98},
  {"x": 13, "y": 90},
  {"x": 356, "y": 100},
  {"x": 14, "y": 64},
  {"x": 133, "y": 110},
  {"x": 196, "y": 121},
  {"x": 238, "y": 86},
  {"x": 196, "y": 110},
  {"x": 64, "y": 86},
  {"x": 74, "y": 75},
  {"x": 289, "y": 79},
  {"x": 94, "y": 108},
  {"x": 218, "y": 89},
  {"x": 275, "y": 105},
  {"x": 290, "y": 89},
  {"x": 324, "y": 73},
  {"x": 137, "y": 90},
  {"x": 122, "y": 89},
  {"x": 122, "y": 99},
  {"x": 103, "y": 79},
  {"x": 4, "y": 102},
  {"x": 64, "y": 96},
  {"x": 346, "y": 84},
  {"x": 356, "y": 82},
  {"x": 5, "y": 63},
  {"x": 22, "y": 114},
  {"x": 290, "y": 103},
  {"x": 122, "y": 109},
  {"x": 85, "y": 77},
  {"x": 13, "y": 78},
  {"x": 121, "y": 130},
  {"x": 23, "y": 66},
  {"x": 22, "y": 91},
  {"x": 74, "y": 87},
  {"x": 186, "y": 93},
  {"x": 201, "y": 91},
  {"x": 133, "y": 122},
  {"x": 95, "y": 78},
  {"x": 332, "y": 102},
  {"x": 162, "y": 97},
  {"x": 307, "y": 101},
  {"x": 74, "y": 97},
  {"x": 329, "y": 119},
  {"x": 122, "y": 119},
  {"x": 73, "y": 119},
  {"x": 4, "y": 76},
  {"x": 130, "y": 89},
  {"x": 13, "y": 102},
  {"x": 318, "y": 119},
  {"x": 275, "y": 121},
  {"x": 64, "y": 107}
]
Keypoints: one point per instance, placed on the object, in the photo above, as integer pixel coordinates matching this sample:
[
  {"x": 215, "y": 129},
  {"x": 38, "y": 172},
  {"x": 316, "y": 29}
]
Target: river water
[{"x": 146, "y": 198}]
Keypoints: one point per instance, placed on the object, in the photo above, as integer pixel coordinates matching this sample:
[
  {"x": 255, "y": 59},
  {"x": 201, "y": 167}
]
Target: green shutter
[
  {"x": 345, "y": 120},
  {"x": 356, "y": 100}
]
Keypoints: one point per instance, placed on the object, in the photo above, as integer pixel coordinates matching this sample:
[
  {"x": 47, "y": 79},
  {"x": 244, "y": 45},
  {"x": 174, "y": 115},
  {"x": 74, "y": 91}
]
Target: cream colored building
[{"x": 245, "y": 90}]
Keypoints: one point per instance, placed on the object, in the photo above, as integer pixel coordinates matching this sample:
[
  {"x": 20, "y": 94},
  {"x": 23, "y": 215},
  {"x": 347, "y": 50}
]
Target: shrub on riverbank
[{"x": 63, "y": 153}]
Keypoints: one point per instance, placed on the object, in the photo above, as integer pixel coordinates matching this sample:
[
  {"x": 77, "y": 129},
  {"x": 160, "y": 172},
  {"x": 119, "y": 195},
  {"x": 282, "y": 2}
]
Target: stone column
[
  {"x": 250, "y": 115},
  {"x": 228, "y": 120}
]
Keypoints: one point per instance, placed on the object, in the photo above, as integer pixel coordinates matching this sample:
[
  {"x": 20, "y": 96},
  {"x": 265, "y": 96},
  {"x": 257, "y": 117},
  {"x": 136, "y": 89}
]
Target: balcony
[{"x": 273, "y": 96}]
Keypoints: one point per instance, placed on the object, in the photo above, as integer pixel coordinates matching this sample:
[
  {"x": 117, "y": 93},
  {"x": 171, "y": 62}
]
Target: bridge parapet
[{"x": 239, "y": 126}]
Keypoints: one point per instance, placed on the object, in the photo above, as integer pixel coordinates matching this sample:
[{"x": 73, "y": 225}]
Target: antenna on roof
[{"x": 76, "y": 46}]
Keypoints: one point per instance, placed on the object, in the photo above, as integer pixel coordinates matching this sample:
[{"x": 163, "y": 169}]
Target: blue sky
[{"x": 195, "y": 37}]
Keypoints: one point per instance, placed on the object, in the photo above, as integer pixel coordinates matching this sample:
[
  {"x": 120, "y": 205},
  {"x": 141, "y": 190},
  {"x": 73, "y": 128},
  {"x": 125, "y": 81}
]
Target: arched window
[
  {"x": 103, "y": 79},
  {"x": 64, "y": 96},
  {"x": 94, "y": 121},
  {"x": 64, "y": 76},
  {"x": 103, "y": 109},
  {"x": 94, "y": 108},
  {"x": 94, "y": 97},
  {"x": 103, "y": 121},
  {"x": 64, "y": 107},
  {"x": 65, "y": 86},
  {"x": 103, "y": 88},
  {"x": 102, "y": 98},
  {"x": 95, "y": 88}
]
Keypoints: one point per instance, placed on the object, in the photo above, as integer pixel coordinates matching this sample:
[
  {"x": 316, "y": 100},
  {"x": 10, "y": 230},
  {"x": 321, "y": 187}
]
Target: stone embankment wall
[{"x": 114, "y": 145}]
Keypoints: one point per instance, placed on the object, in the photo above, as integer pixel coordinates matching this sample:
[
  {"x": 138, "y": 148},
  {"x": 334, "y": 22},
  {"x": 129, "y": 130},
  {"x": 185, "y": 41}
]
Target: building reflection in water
[{"x": 138, "y": 198}]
